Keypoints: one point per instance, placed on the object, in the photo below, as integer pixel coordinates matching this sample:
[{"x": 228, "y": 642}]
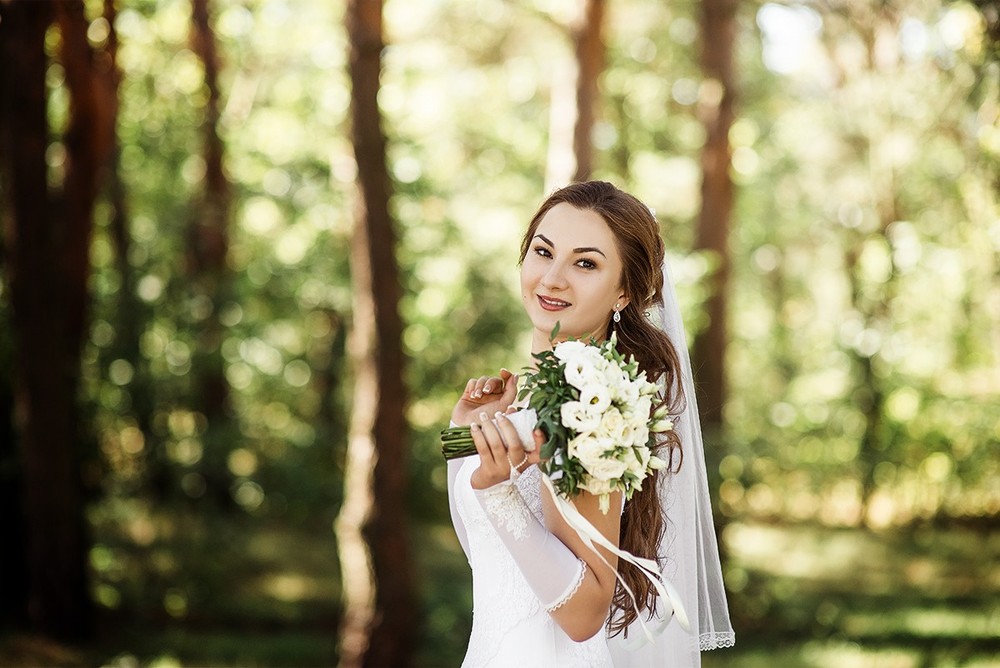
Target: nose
[{"x": 555, "y": 277}]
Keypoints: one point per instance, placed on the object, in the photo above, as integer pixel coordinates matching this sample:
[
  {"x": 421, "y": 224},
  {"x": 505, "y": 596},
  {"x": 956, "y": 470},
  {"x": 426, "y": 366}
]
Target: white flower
[
  {"x": 568, "y": 349},
  {"x": 596, "y": 397},
  {"x": 656, "y": 463},
  {"x": 581, "y": 371},
  {"x": 613, "y": 427},
  {"x": 595, "y": 486},
  {"x": 642, "y": 408},
  {"x": 591, "y": 451},
  {"x": 662, "y": 425},
  {"x": 579, "y": 417},
  {"x": 641, "y": 435},
  {"x": 628, "y": 393},
  {"x": 637, "y": 459}
]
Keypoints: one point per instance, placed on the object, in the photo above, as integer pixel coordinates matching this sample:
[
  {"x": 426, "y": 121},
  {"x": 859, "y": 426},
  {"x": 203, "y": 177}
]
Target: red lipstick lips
[{"x": 552, "y": 304}]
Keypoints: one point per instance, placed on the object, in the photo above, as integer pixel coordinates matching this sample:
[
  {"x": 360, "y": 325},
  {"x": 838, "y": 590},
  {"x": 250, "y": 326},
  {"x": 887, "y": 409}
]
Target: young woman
[{"x": 592, "y": 260}]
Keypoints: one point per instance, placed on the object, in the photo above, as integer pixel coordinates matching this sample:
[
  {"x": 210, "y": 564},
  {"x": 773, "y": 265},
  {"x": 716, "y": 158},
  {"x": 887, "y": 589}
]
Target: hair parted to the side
[{"x": 637, "y": 235}]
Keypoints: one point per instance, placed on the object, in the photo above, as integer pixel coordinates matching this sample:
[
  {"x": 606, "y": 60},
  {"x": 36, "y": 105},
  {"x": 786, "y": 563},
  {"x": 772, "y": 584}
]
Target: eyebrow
[{"x": 584, "y": 249}]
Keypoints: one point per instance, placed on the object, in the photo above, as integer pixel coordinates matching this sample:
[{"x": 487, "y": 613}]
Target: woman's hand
[
  {"x": 500, "y": 450},
  {"x": 486, "y": 394}
]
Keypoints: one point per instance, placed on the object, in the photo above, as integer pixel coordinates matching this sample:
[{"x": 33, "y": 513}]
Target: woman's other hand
[
  {"x": 486, "y": 394},
  {"x": 500, "y": 450}
]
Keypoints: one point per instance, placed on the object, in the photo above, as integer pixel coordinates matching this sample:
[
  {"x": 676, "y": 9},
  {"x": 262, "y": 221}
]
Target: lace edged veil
[{"x": 689, "y": 547}]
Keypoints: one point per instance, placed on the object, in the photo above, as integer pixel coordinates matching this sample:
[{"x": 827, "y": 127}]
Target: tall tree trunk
[
  {"x": 716, "y": 108},
  {"x": 130, "y": 311},
  {"x": 589, "y": 42},
  {"x": 378, "y": 626},
  {"x": 574, "y": 100},
  {"x": 48, "y": 243},
  {"x": 208, "y": 244}
]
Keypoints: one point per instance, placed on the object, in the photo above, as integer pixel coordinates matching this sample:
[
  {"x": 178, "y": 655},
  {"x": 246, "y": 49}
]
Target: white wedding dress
[{"x": 510, "y": 627}]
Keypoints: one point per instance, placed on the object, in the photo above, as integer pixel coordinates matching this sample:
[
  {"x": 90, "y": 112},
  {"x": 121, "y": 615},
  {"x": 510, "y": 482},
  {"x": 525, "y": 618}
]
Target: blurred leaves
[{"x": 865, "y": 292}]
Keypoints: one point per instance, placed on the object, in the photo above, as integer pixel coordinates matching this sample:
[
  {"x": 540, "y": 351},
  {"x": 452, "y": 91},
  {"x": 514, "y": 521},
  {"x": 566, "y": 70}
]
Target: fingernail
[
  {"x": 486, "y": 389},
  {"x": 483, "y": 416},
  {"x": 474, "y": 426},
  {"x": 476, "y": 394},
  {"x": 498, "y": 415}
]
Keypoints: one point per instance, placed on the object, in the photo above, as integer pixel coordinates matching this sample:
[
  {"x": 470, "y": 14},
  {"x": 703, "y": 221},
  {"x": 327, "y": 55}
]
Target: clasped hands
[{"x": 484, "y": 406}]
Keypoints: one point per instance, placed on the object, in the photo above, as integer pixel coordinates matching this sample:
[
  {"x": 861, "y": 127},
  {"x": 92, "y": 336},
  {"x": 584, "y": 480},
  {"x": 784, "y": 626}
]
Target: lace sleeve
[{"x": 551, "y": 569}]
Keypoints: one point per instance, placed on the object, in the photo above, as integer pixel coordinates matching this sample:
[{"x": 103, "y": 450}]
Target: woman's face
[{"x": 571, "y": 275}]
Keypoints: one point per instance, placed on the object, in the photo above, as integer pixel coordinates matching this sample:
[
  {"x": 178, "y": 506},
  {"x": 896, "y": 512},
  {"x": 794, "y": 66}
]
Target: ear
[{"x": 622, "y": 301}]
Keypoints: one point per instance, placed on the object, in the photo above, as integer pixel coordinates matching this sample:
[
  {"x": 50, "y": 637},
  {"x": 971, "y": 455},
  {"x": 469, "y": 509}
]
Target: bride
[{"x": 592, "y": 260}]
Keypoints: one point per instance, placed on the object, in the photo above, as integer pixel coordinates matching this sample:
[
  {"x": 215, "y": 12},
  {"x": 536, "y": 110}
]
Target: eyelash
[{"x": 584, "y": 263}]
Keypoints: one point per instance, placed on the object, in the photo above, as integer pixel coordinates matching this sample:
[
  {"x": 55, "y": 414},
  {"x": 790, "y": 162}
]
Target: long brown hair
[{"x": 637, "y": 236}]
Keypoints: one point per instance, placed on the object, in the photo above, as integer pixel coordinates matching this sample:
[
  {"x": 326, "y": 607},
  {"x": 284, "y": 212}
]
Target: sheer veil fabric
[{"x": 689, "y": 549}]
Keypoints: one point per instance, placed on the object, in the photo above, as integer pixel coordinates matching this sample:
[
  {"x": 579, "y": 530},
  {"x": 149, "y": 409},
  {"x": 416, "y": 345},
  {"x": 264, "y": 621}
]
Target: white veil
[{"x": 689, "y": 544}]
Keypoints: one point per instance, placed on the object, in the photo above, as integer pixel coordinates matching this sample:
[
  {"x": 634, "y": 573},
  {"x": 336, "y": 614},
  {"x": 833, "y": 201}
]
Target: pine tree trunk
[
  {"x": 378, "y": 628},
  {"x": 47, "y": 244},
  {"x": 716, "y": 108},
  {"x": 208, "y": 246},
  {"x": 589, "y": 44},
  {"x": 574, "y": 101}
]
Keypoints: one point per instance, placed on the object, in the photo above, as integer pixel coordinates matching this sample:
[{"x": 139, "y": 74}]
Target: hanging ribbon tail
[{"x": 669, "y": 595}]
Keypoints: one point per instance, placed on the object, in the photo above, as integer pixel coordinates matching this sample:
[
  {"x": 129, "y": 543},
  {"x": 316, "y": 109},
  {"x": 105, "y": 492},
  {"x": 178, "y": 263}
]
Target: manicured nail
[
  {"x": 483, "y": 417},
  {"x": 498, "y": 415},
  {"x": 474, "y": 426},
  {"x": 486, "y": 389}
]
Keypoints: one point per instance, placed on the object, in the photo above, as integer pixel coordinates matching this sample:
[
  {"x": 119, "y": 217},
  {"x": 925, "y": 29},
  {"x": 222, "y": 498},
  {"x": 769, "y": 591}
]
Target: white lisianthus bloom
[
  {"x": 643, "y": 407},
  {"x": 656, "y": 463},
  {"x": 580, "y": 370},
  {"x": 595, "y": 396},
  {"x": 661, "y": 426},
  {"x": 590, "y": 452},
  {"x": 629, "y": 393},
  {"x": 595, "y": 486},
  {"x": 568, "y": 349},
  {"x": 613, "y": 427},
  {"x": 641, "y": 435},
  {"x": 636, "y": 459},
  {"x": 579, "y": 417}
]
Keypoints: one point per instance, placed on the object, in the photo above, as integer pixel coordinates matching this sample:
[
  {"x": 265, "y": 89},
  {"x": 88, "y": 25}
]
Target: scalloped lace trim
[
  {"x": 716, "y": 640},
  {"x": 571, "y": 592}
]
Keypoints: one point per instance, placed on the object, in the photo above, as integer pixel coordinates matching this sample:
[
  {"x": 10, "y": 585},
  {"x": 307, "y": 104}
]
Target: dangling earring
[{"x": 617, "y": 317}]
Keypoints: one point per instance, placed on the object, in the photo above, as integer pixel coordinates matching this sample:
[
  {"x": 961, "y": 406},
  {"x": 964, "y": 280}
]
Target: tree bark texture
[
  {"x": 208, "y": 246},
  {"x": 716, "y": 108},
  {"x": 378, "y": 626},
  {"x": 47, "y": 243},
  {"x": 589, "y": 42}
]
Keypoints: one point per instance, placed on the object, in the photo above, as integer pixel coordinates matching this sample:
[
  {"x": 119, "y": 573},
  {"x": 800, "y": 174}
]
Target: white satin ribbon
[{"x": 649, "y": 568}]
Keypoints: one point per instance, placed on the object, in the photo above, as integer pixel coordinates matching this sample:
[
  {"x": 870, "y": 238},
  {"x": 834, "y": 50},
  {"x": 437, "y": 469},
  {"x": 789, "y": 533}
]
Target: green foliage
[{"x": 863, "y": 357}]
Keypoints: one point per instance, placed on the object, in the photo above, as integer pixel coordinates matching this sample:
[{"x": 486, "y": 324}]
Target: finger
[
  {"x": 515, "y": 449},
  {"x": 477, "y": 392},
  {"x": 469, "y": 386},
  {"x": 494, "y": 385},
  {"x": 493, "y": 437},
  {"x": 482, "y": 446},
  {"x": 509, "y": 391}
]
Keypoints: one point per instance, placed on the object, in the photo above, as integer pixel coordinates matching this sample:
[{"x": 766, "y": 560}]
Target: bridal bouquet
[{"x": 596, "y": 408}]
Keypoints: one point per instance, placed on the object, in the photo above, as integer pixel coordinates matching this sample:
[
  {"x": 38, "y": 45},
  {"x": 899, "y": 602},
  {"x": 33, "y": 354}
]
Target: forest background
[{"x": 253, "y": 249}]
